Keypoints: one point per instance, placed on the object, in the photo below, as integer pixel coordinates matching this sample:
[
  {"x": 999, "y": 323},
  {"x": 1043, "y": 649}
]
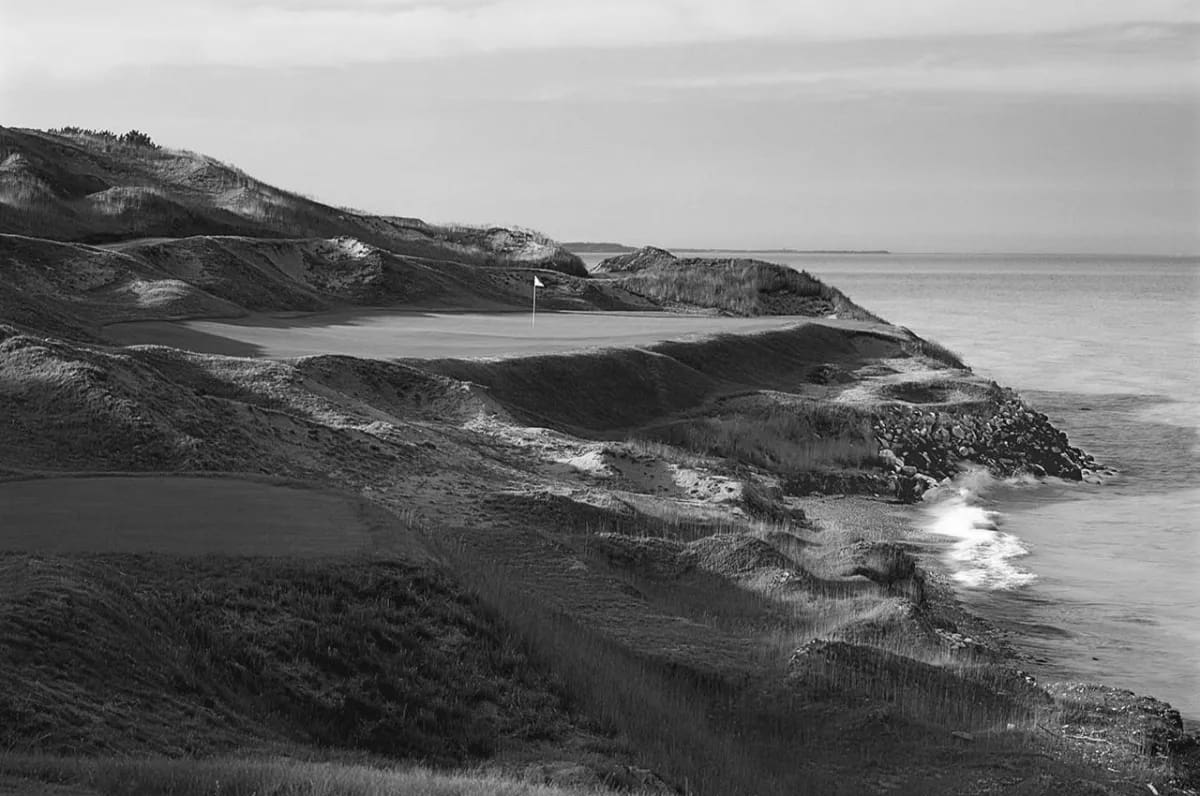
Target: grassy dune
[
  {"x": 184, "y": 655},
  {"x": 80, "y": 186},
  {"x": 741, "y": 287}
]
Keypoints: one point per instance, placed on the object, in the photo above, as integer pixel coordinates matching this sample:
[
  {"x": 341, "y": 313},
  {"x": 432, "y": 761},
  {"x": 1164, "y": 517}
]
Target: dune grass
[
  {"x": 736, "y": 286},
  {"x": 675, "y": 720},
  {"x": 273, "y": 776},
  {"x": 935, "y": 351},
  {"x": 124, "y": 654},
  {"x": 741, "y": 287},
  {"x": 782, "y": 438}
]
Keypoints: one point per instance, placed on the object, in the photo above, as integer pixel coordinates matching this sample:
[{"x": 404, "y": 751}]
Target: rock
[{"x": 909, "y": 488}]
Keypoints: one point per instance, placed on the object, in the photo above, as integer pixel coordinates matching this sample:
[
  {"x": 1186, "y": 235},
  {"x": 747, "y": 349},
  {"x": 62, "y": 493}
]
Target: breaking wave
[{"x": 982, "y": 556}]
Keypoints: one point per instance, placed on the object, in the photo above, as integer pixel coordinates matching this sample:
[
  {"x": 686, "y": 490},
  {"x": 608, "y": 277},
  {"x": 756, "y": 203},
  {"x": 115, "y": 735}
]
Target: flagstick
[{"x": 533, "y": 316}]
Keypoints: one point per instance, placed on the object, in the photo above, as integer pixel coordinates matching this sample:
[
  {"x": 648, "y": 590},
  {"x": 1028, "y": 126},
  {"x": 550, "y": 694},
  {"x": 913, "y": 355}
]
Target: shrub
[{"x": 133, "y": 137}]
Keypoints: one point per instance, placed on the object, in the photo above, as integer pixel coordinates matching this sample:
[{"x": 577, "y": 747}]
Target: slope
[
  {"x": 89, "y": 187},
  {"x": 73, "y": 289}
]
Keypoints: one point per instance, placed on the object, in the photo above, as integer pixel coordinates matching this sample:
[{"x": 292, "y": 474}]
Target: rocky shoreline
[{"x": 924, "y": 447}]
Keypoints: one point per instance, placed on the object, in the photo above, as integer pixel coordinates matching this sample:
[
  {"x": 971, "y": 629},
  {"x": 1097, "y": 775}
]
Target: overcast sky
[{"x": 921, "y": 125}]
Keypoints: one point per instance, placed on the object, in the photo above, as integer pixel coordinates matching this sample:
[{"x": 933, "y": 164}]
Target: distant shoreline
[
  {"x": 583, "y": 247},
  {"x": 791, "y": 251}
]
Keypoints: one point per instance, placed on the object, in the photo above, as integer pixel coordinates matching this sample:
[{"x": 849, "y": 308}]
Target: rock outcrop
[{"x": 922, "y": 446}]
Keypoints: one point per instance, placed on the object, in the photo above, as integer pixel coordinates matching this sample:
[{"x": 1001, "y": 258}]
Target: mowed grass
[
  {"x": 400, "y": 333},
  {"x": 276, "y": 777},
  {"x": 192, "y": 515}
]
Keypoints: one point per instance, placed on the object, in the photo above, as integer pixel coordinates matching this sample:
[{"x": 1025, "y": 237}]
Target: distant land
[{"x": 621, "y": 248}]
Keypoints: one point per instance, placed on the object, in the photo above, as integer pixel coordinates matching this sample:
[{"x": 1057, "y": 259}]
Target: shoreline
[
  {"x": 647, "y": 541},
  {"x": 1067, "y": 624},
  {"x": 596, "y": 499}
]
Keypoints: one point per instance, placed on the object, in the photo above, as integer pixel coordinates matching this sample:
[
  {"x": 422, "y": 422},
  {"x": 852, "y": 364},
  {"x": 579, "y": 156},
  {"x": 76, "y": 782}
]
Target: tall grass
[
  {"x": 675, "y": 720},
  {"x": 168, "y": 654},
  {"x": 735, "y": 286},
  {"x": 785, "y": 439},
  {"x": 933, "y": 350},
  {"x": 276, "y": 777}
]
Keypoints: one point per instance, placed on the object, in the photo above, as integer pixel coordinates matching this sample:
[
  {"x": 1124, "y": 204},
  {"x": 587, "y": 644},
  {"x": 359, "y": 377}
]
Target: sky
[{"x": 910, "y": 125}]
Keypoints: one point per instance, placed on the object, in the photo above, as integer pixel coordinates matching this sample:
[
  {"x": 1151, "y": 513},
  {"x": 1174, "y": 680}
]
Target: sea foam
[{"x": 982, "y": 556}]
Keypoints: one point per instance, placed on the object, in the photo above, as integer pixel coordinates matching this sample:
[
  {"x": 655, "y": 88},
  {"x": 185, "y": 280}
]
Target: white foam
[{"x": 983, "y": 556}]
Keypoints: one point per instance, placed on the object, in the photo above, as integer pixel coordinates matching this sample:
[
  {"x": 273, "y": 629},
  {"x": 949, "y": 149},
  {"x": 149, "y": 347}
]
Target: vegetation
[
  {"x": 741, "y": 287},
  {"x": 782, "y": 438},
  {"x": 113, "y": 187},
  {"x": 127, "y": 653},
  {"x": 675, "y": 720},
  {"x": 717, "y": 642},
  {"x": 279, "y": 777},
  {"x": 133, "y": 137},
  {"x": 737, "y": 286},
  {"x": 935, "y": 351}
]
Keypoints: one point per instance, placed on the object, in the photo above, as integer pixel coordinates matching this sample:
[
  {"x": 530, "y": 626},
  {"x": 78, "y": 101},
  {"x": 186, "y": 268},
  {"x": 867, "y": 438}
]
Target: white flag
[{"x": 537, "y": 282}]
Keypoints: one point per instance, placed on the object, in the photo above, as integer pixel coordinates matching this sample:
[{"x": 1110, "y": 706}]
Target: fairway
[
  {"x": 392, "y": 334},
  {"x": 191, "y": 515}
]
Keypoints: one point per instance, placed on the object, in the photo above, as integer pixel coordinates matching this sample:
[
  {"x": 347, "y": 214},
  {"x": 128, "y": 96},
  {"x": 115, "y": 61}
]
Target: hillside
[
  {"x": 735, "y": 285},
  {"x": 640, "y": 523},
  {"x": 123, "y": 230},
  {"x": 224, "y": 277},
  {"x": 672, "y": 567},
  {"x": 91, "y": 188},
  {"x": 75, "y": 289}
]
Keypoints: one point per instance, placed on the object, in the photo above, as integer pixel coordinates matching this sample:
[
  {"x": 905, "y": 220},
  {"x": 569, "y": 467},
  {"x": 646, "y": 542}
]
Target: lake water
[{"x": 1099, "y": 582}]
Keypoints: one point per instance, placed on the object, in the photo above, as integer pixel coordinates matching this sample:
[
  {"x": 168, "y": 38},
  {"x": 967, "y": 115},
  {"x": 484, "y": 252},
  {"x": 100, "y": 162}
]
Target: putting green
[
  {"x": 193, "y": 516},
  {"x": 395, "y": 334}
]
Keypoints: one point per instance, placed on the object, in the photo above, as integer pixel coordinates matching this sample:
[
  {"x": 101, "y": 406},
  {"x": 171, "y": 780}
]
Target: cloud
[
  {"x": 86, "y": 39},
  {"x": 1106, "y": 79},
  {"x": 1044, "y": 70}
]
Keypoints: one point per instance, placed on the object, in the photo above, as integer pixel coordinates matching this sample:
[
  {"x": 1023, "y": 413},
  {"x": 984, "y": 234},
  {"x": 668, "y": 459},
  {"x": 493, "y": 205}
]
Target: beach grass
[
  {"x": 781, "y": 438},
  {"x": 234, "y": 776},
  {"x": 735, "y": 286}
]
